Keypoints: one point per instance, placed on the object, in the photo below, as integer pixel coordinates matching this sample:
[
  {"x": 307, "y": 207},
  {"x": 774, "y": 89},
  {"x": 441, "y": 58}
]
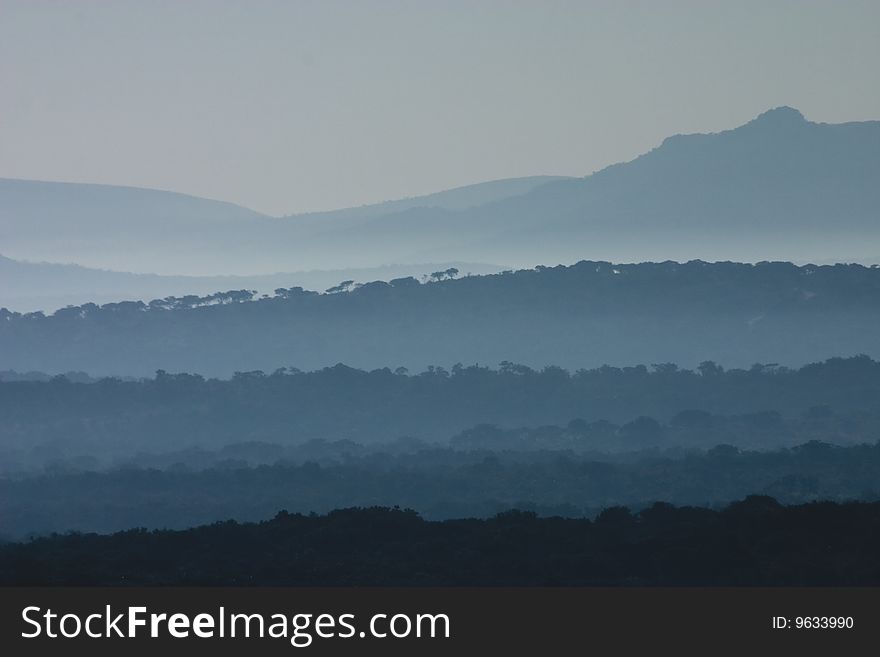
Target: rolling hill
[{"x": 129, "y": 229}]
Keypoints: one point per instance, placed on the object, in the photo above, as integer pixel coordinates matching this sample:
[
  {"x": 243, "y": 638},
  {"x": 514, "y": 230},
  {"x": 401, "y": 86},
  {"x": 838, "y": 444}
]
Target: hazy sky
[{"x": 292, "y": 106}]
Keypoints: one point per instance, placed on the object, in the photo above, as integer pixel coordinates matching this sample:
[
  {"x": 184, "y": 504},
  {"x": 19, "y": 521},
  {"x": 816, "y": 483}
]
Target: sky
[{"x": 296, "y": 106}]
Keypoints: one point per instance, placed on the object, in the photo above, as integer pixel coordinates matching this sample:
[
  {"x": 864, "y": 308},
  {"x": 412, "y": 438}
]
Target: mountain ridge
[{"x": 778, "y": 187}]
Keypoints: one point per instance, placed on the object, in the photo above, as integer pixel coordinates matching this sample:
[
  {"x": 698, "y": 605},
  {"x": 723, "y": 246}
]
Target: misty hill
[
  {"x": 459, "y": 198},
  {"x": 779, "y": 187},
  {"x": 472, "y": 408},
  {"x": 439, "y": 483},
  {"x": 31, "y": 286},
  {"x": 586, "y": 315},
  {"x": 114, "y": 227},
  {"x": 128, "y": 228}
]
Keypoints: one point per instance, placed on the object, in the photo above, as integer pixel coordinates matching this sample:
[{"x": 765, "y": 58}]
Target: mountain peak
[{"x": 779, "y": 116}]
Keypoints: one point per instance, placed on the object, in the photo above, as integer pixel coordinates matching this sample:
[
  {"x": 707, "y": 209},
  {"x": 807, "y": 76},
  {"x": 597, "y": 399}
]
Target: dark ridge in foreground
[{"x": 753, "y": 542}]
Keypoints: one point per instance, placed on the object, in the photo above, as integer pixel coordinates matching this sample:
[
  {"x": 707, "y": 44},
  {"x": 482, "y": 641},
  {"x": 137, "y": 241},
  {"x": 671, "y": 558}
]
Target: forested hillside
[
  {"x": 763, "y": 406},
  {"x": 183, "y": 489},
  {"x": 585, "y": 315}
]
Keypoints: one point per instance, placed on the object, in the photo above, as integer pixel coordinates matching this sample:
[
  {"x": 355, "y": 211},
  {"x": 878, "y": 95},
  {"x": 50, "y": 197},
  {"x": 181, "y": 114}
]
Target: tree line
[
  {"x": 577, "y": 316},
  {"x": 608, "y": 409},
  {"x": 752, "y": 542}
]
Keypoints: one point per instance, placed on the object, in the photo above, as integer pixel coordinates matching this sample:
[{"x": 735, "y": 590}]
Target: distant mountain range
[{"x": 777, "y": 188}]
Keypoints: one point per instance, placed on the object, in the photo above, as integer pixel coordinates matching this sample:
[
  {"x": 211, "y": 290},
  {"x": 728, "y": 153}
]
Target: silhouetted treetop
[{"x": 576, "y": 316}]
